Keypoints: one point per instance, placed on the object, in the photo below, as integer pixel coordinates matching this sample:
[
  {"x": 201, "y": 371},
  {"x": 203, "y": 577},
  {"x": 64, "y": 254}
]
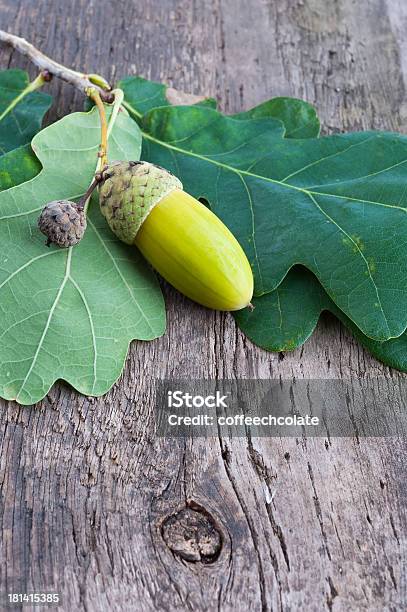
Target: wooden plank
[{"x": 86, "y": 488}]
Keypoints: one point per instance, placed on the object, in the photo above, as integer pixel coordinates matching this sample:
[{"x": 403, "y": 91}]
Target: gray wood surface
[{"x": 87, "y": 491}]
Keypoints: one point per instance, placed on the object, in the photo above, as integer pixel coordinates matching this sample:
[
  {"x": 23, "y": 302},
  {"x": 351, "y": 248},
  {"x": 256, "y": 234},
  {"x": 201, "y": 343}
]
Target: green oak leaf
[
  {"x": 300, "y": 118},
  {"x": 18, "y": 166},
  {"x": 285, "y": 318},
  {"x": 70, "y": 313},
  {"x": 146, "y": 95},
  {"x": 334, "y": 204},
  {"x": 21, "y": 111}
]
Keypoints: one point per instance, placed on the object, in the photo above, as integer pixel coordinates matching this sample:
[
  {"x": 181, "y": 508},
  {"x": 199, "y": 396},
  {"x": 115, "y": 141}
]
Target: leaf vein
[
  {"x": 143, "y": 316},
  {"x": 360, "y": 253},
  {"x": 48, "y": 322},
  {"x": 92, "y": 329}
]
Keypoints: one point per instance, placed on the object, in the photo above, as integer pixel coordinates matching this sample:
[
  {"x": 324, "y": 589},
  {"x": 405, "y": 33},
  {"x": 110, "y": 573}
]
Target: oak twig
[{"x": 79, "y": 80}]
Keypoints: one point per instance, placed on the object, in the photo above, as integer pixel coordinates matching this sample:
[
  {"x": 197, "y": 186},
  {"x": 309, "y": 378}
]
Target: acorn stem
[{"x": 82, "y": 202}]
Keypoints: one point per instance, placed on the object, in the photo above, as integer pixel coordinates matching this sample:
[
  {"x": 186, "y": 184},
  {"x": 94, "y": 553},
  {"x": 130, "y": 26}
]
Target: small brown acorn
[{"x": 63, "y": 223}]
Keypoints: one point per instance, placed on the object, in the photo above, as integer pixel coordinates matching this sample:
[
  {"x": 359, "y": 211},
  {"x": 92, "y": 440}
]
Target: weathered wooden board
[{"x": 85, "y": 486}]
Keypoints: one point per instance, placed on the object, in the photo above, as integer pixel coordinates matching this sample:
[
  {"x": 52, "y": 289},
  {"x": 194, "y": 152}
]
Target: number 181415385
[{"x": 46, "y": 598}]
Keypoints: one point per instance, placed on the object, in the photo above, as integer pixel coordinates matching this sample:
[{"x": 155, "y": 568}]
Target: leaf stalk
[
  {"x": 37, "y": 83},
  {"x": 94, "y": 95}
]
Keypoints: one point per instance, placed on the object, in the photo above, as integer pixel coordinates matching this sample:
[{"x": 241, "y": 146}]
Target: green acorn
[{"x": 183, "y": 240}]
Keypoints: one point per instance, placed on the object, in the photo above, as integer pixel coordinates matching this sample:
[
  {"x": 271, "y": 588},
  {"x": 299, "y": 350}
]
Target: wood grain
[{"x": 86, "y": 488}]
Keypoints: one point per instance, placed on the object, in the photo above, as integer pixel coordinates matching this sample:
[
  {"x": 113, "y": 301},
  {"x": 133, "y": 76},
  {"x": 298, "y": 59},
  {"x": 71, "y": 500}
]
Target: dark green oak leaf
[
  {"x": 334, "y": 204},
  {"x": 146, "y": 95},
  {"x": 300, "y": 118},
  {"x": 21, "y": 111},
  {"x": 285, "y": 318},
  {"x": 18, "y": 166},
  {"x": 69, "y": 313}
]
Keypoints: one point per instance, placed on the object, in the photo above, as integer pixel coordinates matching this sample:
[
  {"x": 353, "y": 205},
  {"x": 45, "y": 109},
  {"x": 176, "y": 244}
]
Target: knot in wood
[{"x": 192, "y": 534}]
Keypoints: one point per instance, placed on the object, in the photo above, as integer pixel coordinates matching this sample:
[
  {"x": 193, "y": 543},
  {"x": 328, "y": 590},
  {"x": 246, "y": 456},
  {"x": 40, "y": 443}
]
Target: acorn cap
[
  {"x": 128, "y": 193},
  {"x": 63, "y": 222}
]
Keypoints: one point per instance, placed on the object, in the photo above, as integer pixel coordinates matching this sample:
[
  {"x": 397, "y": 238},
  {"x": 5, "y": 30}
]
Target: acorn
[
  {"x": 63, "y": 223},
  {"x": 145, "y": 206}
]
